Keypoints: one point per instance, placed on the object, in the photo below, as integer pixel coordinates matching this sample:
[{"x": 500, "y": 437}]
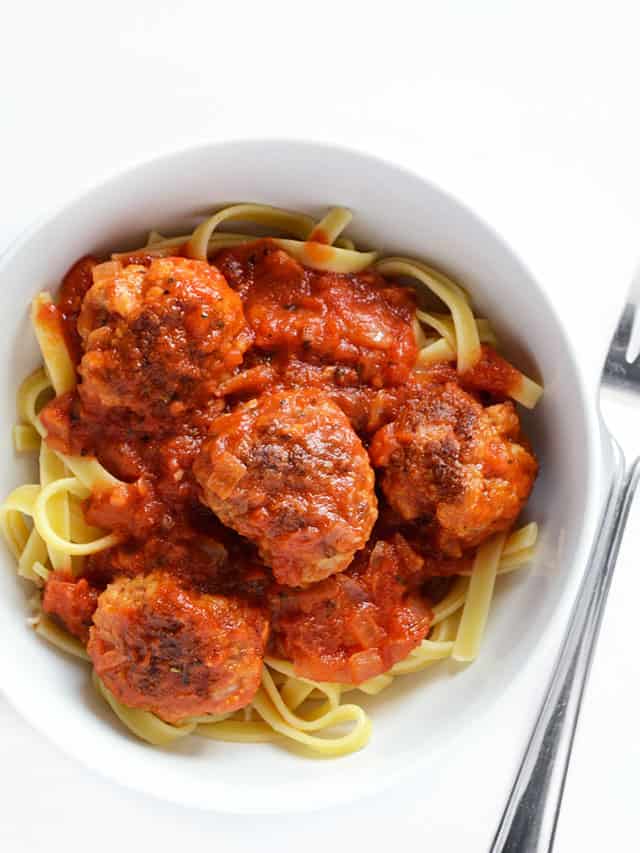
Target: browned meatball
[
  {"x": 161, "y": 647},
  {"x": 288, "y": 472},
  {"x": 447, "y": 456},
  {"x": 158, "y": 337}
]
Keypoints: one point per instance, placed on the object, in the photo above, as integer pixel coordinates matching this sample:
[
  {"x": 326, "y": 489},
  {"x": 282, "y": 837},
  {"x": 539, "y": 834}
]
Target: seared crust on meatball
[
  {"x": 158, "y": 337},
  {"x": 161, "y": 647},
  {"x": 288, "y": 472},
  {"x": 445, "y": 456}
]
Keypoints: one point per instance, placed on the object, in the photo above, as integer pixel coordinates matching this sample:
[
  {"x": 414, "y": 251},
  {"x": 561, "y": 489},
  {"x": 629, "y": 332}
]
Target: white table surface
[{"x": 528, "y": 112}]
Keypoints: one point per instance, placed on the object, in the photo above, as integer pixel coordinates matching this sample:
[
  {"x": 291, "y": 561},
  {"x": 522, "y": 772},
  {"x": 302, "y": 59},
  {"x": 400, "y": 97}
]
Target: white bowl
[{"x": 399, "y": 213}]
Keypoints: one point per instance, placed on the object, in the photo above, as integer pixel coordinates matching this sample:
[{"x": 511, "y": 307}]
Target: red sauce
[
  {"x": 359, "y": 321},
  {"x": 350, "y": 336},
  {"x": 156, "y": 465},
  {"x": 71, "y": 602},
  {"x": 318, "y": 251},
  {"x": 492, "y": 374},
  {"x": 49, "y": 315},
  {"x": 319, "y": 235},
  {"x": 356, "y": 624},
  {"x": 74, "y": 286}
]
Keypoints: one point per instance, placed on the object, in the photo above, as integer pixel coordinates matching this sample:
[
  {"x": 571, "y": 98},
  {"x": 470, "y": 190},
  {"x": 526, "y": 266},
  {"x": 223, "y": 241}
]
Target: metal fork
[{"x": 529, "y": 821}]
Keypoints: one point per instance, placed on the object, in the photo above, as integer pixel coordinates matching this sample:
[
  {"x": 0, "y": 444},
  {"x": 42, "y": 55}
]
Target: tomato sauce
[
  {"x": 49, "y": 317},
  {"x": 73, "y": 289},
  {"x": 358, "y": 321},
  {"x": 72, "y": 601},
  {"x": 318, "y": 235},
  {"x": 492, "y": 374},
  {"x": 354, "y": 625}
]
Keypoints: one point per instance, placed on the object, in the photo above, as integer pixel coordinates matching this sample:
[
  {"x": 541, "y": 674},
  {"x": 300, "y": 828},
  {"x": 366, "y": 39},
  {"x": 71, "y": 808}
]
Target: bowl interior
[{"x": 398, "y": 213}]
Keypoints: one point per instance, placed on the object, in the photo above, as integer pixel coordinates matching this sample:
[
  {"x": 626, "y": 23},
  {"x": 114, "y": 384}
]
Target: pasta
[{"x": 45, "y": 527}]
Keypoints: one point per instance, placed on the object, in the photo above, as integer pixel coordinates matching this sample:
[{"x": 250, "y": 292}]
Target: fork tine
[
  {"x": 633, "y": 298},
  {"x": 621, "y": 367},
  {"x": 625, "y": 344},
  {"x": 633, "y": 347},
  {"x": 622, "y": 335}
]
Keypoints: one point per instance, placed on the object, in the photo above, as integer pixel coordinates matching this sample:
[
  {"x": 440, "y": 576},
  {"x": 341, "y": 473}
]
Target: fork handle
[{"x": 530, "y": 817}]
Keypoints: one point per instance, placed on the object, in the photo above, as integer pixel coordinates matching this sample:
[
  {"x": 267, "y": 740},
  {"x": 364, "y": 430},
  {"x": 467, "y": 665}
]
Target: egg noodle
[{"x": 45, "y": 528}]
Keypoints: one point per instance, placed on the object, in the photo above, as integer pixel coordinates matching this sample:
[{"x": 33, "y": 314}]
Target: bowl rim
[{"x": 594, "y": 453}]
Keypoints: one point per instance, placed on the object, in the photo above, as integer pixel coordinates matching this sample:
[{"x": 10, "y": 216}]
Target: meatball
[
  {"x": 158, "y": 338},
  {"x": 445, "y": 456},
  {"x": 288, "y": 472},
  {"x": 355, "y": 625},
  {"x": 160, "y": 647},
  {"x": 71, "y": 602}
]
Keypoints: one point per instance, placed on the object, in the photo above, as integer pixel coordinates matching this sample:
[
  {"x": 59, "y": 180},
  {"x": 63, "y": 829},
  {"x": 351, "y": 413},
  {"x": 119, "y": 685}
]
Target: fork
[{"x": 529, "y": 821}]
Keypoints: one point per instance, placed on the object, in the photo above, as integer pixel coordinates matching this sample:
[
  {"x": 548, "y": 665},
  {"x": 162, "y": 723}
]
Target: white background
[{"x": 526, "y": 111}]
